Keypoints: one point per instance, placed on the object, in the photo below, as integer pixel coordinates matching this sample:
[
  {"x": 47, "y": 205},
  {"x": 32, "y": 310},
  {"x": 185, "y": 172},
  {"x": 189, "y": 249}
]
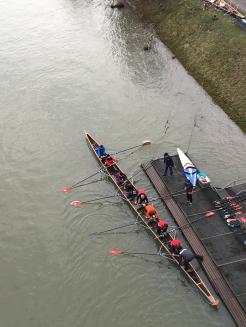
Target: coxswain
[
  {"x": 142, "y": 197},
  {"x": 101, "y": 151},
  {"x": 110, "y": 164},
  {"x": 176, "y": 246},
  {"x": 162, "y": 227},
  {"x": 151, "y": 213},
  {"x": 130, "y": 190},
  {"x": 186, "y": 256}
]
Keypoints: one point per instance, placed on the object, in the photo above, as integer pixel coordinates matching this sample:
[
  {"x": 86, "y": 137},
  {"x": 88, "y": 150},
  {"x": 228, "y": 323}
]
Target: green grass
[{"x": 212, "y": 51}]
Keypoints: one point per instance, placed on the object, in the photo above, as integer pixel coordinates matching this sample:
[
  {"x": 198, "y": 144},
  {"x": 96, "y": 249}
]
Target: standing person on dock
[
  {"x": 188, "y": 190},
  {"x": 168, "y": 162},
  {"x": 142, "y": 197},
  {"x": 101, "y": 151}
]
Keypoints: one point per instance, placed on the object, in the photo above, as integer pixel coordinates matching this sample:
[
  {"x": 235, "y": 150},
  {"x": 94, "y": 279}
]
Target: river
[{"x": 70, "y": 65}]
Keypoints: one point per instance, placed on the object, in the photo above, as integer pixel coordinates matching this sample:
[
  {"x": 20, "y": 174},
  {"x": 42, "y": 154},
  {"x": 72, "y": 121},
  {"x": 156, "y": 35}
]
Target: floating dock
[{"x": 223, "y": 252}]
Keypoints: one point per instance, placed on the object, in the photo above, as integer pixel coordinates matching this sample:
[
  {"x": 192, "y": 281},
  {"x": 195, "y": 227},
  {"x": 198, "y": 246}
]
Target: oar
[
  {"x": 231, "y": 205},
  {"x": 79, "y": 203},
  {"x": 111, "y": 229},
  {"x": 163, "y": 255},
  {"x": 233, "y": 208},
  {"x": 229, "y": 200},
  {"x": 208, "y": 214},
  {"x": 118, "y": 252},
  {"x": 146, "y": 142},
  {"x": 69, "y": 188}
]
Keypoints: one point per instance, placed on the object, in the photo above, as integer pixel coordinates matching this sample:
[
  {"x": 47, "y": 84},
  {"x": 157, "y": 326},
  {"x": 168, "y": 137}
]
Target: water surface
[{"x": 67, "y": 66}]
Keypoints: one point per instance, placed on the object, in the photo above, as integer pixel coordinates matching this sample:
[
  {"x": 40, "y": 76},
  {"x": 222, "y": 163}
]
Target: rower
[
  {"x": 186, "y": 256},
  {"x": 130, "y": 190},
  {"x": 162, "y": 227},
  {"x": 175, "y": 246},
  {"x": 110, "y": 164},
  {"x": 101, "y": 151},
  {"x": 151, "y": 213},
  {"x": 120, "y": 178},
  {"x": 142, "y": 197}
]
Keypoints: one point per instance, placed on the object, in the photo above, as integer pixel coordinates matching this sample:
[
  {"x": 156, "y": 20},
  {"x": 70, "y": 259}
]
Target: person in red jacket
[
  {"x": 110, "y": 164},
  {"x": 142, "y": 197},
  {"x": 162, "y": 227}
]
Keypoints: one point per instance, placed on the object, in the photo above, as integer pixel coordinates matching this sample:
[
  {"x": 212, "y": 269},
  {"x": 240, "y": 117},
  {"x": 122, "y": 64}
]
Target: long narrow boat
[
  {"x": 191, "y": 273},
  {"x": 191, "y": 172}
]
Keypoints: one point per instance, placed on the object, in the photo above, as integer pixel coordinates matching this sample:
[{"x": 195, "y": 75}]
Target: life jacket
[
  {"x": 142, "y": 191},
  {"x": 162, "y": 224},
  {"x": 150, "y": 211},
  {"x": 176, "y": 243}
]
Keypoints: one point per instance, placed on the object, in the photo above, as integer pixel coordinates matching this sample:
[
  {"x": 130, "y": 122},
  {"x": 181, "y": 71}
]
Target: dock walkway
[{"x": 224, "y": 255}]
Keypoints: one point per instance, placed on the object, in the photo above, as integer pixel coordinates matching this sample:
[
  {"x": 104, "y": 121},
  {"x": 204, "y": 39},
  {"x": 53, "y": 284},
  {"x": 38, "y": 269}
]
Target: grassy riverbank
[{"x": 212, "y": 50}]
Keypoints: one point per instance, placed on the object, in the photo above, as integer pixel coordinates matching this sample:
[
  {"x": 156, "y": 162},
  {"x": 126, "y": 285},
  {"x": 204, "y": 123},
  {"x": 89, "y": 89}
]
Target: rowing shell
[
  {"x": 190, "y": 170},
  {"x": 191, "y": 273}
]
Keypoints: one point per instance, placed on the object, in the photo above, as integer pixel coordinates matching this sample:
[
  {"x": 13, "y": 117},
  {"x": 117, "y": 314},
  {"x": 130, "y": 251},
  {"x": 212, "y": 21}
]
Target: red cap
[
  {"x": 162, "y": 223},
  {"x": 142, "y": 191},
  {"x": 176, "y": 243}
]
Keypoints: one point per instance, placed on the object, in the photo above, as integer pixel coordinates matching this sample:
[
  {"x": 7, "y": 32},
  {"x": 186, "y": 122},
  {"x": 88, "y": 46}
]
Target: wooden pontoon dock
[{"x": 224, "y": 255}]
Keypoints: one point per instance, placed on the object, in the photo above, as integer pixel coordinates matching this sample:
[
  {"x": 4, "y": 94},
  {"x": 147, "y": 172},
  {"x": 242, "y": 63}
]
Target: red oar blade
[
  {"x": 116, "y": 252},
  {"x": 239, "y": 213},
  {"x": 210, "y": 214},
  {"x": 229, "y": 197},
  {"x": 67, "y": 189},
  {"x": 76, "y": 203}
]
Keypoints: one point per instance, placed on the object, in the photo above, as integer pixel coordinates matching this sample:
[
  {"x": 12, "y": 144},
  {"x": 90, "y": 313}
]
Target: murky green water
[{"x": 67, "y": 66}]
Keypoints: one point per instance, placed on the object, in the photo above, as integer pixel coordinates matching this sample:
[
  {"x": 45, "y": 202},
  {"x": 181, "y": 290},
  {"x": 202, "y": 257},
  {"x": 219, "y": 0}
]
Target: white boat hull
[{"x": 190, "y": 170}]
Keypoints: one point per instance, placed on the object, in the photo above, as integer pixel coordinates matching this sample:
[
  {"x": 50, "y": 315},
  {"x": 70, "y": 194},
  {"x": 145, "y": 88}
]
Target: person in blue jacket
[
  {"x": 101, "y": 151},
  {"x": 168, "y": 161}
]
